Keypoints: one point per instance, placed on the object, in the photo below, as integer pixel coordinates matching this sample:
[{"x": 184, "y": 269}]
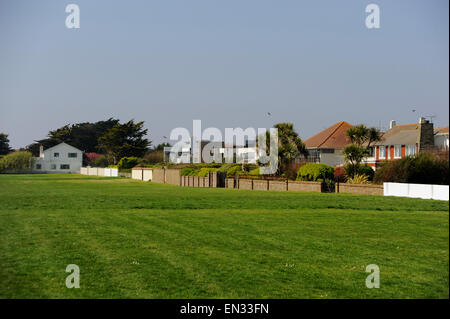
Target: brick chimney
[{"x": 425, "y": 137}]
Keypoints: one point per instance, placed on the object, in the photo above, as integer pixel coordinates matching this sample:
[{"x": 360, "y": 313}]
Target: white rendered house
[{"x": 61, "y": 158}]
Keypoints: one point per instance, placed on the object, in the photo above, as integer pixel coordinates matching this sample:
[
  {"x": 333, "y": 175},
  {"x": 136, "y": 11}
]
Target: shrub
[
  {"x": 189, "y": 171},
  {"x": 254, "y": 172},
  {"x": 152, "y": 157},
  {"x": 236, "y": 170},
  {"x": 421, "y": 169},
  {"x": 358, "y": 179},
  {"x": 127, "y": 162},
  {"x": 339, "y": 174},
  {"x": 225, "y": 167},
  {"x": 362, "y": 169},
  {"x": 101, "y": 161},
  {"x": 16, "y": 162},
  {"x": 205, "y": 171},
  {"x": 315, "y": 172},
  {"x": 90, "y": 158}
]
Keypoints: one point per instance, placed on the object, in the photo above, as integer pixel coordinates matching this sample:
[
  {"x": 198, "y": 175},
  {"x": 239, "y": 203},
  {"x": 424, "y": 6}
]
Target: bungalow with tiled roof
[
  {"x": 407, "y": 140},
  {"x": 327, "y": 145}
]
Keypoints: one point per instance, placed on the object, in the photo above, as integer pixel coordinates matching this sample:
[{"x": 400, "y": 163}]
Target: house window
[
  {"x": 397, "y": 151},
  {"x": 53, "y": 166},
  {"x": 64, "y": 166},
  {"x": 382, "y": 152},
  {"x": 410, "y": 150},
  {"x": 38, "y": 166},
  {"x": 72, "y": 155},
  {"x": 55, "y": 154},
  {"x": 371, "y": 152}
]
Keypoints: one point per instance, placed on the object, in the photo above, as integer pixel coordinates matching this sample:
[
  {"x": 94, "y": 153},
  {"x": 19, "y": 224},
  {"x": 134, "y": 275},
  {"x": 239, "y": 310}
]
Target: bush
[
  {"x": 225, "y": 167},
  {"x": 100, "y": 162},
  {"x": 315, "y": 172},
  {"x": 16, "y": 162},
  {"x": 127, "y": 162},
  {"x": 189, "y": 171},
  {"x": 205, "y": 171},
  {"x": 362, "y": 169},
  {"x": 358, "y": 179},
  {"x": 339, "y": 174},
  {"x": 152, "y": 157},
  {"x": 236, "y": 170},
  {"x": 254, "y": 172},
  {"x": 421, "y": 169}
]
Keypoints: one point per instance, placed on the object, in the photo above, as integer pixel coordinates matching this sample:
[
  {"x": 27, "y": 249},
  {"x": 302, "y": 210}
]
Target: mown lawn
[{"x": 141, "y": 240}]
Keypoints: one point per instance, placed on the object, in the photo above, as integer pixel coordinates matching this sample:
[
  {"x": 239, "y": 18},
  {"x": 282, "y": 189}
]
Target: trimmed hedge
[
  {"x": 16, "y": 162},
  {"x": 421, "y": 169},
  {"x": 127, "y": 162},
  {"x": 315, "y": 172}
]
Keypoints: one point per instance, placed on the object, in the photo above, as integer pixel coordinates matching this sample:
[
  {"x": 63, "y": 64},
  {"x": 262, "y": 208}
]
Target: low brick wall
[
  {"x": 278, "y": 186},
  {"x": 245, "y": 184},
  {"x": 158, "y": 175},
  {"x": 299, "y": 186},
  {"x": 260, "y": 185},
  {"x": 367, "y": 189},
  {"x": 173, "y": 176},
  {"x": 229, "y": 183}
]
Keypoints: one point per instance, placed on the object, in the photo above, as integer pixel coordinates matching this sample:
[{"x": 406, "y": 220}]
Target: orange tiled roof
[
  {"x": 441, "y": 130},
  {"x": 333, "y": 137}
]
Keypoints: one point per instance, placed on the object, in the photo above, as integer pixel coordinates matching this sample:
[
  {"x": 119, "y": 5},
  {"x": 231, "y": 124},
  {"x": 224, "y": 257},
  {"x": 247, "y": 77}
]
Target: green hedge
[
  {"x": 421, "y": 169},
  {"x": 363, "y": 169},
  {"x": 16, "y": 162},
  {"x": 128, "y": 162},
  {"x": 315, "y": 172}
]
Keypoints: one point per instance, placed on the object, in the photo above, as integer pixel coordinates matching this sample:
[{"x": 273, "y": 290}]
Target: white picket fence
[
  {"x": 99, "y": 171},
  {"x": 425, "y": 191}
]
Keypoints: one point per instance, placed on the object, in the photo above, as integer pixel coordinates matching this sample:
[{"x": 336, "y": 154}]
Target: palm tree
[
  {"x": 361, "y": 137},
  {"x": 290, "y": 145}
]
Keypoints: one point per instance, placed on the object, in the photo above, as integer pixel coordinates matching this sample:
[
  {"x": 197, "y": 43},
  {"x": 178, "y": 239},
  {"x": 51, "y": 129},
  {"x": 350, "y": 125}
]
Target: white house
[{"x": 61, "y": 158}]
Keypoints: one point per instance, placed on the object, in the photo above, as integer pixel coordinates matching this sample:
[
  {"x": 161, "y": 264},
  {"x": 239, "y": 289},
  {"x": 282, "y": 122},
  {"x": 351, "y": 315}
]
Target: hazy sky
[{"x": 225, "y": 62}]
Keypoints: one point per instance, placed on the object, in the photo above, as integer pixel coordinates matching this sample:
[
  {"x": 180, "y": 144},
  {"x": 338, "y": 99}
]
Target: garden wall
[
  {"x": 367, "y": 189},
  {"x": 99, "y": 171}
]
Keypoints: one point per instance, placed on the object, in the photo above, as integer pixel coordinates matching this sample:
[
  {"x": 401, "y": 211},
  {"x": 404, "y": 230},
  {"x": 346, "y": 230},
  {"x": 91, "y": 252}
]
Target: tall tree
[
  {"x": 290, "y": 145},
  {"x": 362, "y": 138},
  {"x": 83, "y": 136},
  {"x": 124, "y": 140},
  {"x": 4, "y": 144}
]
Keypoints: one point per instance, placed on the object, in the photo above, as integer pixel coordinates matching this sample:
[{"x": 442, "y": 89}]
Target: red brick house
[{"x": 403, "y": 140}]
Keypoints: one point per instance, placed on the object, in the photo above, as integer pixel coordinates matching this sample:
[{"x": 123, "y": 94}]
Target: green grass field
[{"x": 141, "y": 240}]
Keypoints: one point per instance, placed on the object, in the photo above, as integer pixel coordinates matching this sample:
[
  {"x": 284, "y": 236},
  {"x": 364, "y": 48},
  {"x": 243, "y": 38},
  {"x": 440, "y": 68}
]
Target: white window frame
[
  {"x": 399, "y": 149},
  {"x": 382, "y": 148},
  {"x": 408, "y": 150}
]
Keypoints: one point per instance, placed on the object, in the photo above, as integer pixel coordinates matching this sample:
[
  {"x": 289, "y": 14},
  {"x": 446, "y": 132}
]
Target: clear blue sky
[{"x": 226, "y": 62}]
